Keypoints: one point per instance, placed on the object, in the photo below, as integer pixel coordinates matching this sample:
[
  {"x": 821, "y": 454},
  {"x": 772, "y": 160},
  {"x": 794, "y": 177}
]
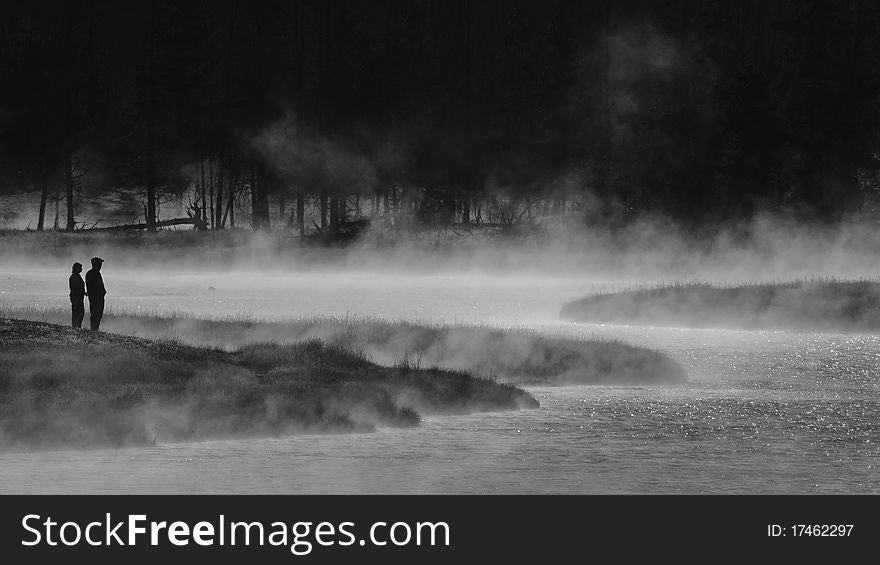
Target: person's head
[
  {"x": 96, "y": 263},
  {"x": 77, "y": 268}
]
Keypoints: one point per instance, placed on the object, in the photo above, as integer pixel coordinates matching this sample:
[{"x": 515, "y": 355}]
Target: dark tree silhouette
[{"x": 443, "y": 112}]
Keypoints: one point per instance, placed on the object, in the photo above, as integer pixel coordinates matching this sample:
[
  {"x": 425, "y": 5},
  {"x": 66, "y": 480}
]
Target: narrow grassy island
[
  {"x": 63, "y": 387},
  {"x": 802, "y": 305}
]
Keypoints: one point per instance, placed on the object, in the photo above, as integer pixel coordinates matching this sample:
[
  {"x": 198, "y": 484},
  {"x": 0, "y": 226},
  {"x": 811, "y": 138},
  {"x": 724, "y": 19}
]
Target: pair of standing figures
[{"x": 93, "y": 287}]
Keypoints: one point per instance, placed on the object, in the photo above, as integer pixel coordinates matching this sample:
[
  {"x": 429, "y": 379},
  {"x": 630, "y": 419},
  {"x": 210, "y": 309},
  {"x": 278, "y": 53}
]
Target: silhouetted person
[
  {"x": 77, "y": 292},
  {"x": 96, "y": 291}
]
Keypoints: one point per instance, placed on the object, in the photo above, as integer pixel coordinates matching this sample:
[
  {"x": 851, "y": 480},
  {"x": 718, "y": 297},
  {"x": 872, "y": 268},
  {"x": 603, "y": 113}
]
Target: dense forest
[{"x": 313, "y": 115}]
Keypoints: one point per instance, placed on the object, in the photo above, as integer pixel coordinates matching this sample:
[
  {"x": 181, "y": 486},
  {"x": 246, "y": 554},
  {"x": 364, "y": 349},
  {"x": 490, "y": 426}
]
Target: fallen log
[{"x": 163, "y": 224}]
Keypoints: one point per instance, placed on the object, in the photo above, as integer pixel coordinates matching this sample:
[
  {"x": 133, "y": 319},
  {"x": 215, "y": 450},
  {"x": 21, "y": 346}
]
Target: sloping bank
[
  {"x": 804, "y": 305},
  {"x": 510, "y": 355},
  {"x": 62, "y": 387}
]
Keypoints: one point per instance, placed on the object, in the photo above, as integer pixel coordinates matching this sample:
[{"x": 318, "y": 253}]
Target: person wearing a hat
[
  {"x": 95, "y": 291},
  {"x": 77, "y": 292}
]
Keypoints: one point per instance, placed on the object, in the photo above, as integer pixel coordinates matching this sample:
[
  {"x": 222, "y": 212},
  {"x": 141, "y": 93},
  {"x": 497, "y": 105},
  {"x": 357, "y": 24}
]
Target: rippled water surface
[{"x": 764, "y": 412}]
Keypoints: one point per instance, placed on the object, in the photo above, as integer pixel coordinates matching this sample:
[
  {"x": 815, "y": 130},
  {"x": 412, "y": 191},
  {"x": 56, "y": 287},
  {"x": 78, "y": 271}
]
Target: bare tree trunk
[
  {"x": 218, "y": 225},
  {"x": 323, "y": 198},
  {"x": 44, "y": 195},
  {"x": 57, "y": 198},
  {"x": 334, "y": 213},
  {"x": 68, "y": 181},
  {"x": 211, "y": 193},
  {"x": 68, "y": 155},
  {"x": 259, "y": 201},
  {"x": 151, "y": 185},
  {"x": 151, "y": 133},
  {"x": 300, "y": 213},
  {"x": 225, "y": 157},
  {"x": 230, "y": 206},
  {"x": 204, "y": 202}
]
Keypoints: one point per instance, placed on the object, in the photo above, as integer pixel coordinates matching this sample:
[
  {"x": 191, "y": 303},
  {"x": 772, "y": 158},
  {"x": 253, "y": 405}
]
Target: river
[{"x": 763, "y": 411}]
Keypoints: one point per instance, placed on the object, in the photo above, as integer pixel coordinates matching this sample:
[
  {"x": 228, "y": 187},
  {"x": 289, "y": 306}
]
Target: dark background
[{"x": 445, "y": 111}]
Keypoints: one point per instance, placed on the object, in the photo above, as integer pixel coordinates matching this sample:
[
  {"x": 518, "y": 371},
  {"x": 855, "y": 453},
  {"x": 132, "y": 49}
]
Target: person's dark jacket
[
  {"x": 77, "y": 287},
  {"x": 95, "y": 285}
]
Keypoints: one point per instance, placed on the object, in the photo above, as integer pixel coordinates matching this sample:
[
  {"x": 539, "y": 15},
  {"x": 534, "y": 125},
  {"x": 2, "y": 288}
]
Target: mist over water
[
  {"x": 503, "y": 158},
  {"x": 469, "y": 299},
  {"x": 763, "y": 411}
]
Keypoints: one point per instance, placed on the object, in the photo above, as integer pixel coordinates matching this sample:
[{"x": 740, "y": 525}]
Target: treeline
[{"x": 312, "y": 114}]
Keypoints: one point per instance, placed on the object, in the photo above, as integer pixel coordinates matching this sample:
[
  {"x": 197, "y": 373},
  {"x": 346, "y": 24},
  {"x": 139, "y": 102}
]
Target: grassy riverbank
[
  {"x": 61, "y": 387},
  {"x": 509, "y": 355},
  {"x": 805, "y": 305}
]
